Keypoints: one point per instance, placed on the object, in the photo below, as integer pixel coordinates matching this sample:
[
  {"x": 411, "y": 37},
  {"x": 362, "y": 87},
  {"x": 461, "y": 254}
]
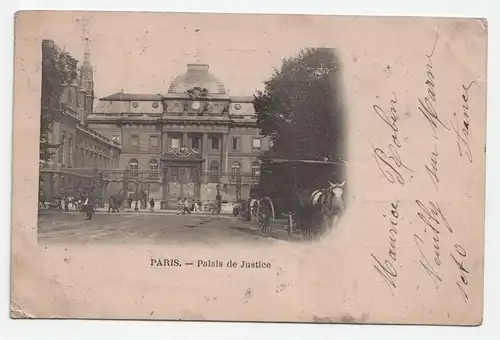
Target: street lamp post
[{"x": 218, "y": 198}]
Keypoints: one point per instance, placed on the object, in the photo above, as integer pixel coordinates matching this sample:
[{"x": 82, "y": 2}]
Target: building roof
[
  {"x": 121, "y": 96},
  {"x": 197, "y": 75},
  {"x": 242, "y": 99}
]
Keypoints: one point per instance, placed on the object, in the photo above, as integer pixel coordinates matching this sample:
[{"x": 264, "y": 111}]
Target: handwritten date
[{"x": 463, "y": 282}]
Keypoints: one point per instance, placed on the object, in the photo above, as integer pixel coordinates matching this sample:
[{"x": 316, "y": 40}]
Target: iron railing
[{"x": 156, "y": 175}]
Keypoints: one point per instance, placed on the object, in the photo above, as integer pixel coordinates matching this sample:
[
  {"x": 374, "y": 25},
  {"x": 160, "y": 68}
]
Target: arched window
[
  {"x": 153, "y": 168},
  {"x": 235, "y": 170},
  {"x": 133, "y": 166},
  {"x": 255, "y": 170},
  {"x": 214, "y": 171}
]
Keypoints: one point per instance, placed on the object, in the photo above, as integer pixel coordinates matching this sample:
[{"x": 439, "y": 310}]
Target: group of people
[
  {"x": 83, "y": 201},
  {"x": 185, "y": 206},
  {"x": 86, "y": 203},
  {"x": 114, "y": 204}
]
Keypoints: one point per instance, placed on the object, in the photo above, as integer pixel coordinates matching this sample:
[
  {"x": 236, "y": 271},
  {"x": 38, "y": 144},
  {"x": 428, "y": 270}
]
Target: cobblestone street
[{"x": 158, "y": 227}]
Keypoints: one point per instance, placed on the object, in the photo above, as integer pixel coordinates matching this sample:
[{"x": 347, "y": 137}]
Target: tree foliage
[
  {"x": 300, "y": 107},
  {"x": 58, "y": 70}
]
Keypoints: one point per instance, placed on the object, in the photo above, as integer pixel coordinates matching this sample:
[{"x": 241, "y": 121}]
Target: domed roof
[{"x": 197, "y": 75}]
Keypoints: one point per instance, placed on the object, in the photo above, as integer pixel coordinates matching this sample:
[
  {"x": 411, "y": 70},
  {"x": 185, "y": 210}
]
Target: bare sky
[{"x": 142, "y": 53}]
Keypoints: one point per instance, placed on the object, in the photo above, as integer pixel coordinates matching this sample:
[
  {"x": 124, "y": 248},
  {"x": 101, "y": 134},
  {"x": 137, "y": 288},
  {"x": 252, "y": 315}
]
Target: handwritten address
[{"x": 433, "y": 227}]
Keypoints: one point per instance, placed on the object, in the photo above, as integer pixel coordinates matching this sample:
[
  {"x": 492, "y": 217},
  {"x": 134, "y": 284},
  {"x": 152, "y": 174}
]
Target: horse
[
  {"x": 252, "y": 206},
  {"x": 334, "y": 203},
  {"x": 313, "y": 208}
]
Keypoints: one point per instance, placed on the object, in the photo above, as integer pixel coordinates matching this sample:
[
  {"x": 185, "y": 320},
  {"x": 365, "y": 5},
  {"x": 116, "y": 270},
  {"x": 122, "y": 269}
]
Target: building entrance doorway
[{"x": 181, "y": 178}]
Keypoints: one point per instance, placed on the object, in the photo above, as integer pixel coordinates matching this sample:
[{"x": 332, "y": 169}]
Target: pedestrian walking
[
  {"x": 111, "y": 205},
  {"x": 152, "y": 204},
  {"x": 180, "y": 206},
  {"x": 66, "y": 204},
  {"x": 88, "y": 205},
  {"x": 196, "y": 206},
  {"x": 218, "y": 199},
  {"x": 186, "y": 207}
]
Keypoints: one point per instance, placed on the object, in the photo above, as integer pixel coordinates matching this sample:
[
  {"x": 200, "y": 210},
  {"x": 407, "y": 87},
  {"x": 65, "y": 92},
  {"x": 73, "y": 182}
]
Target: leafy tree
[
  {"x": 58, "y": 70},
  {"x": 300, "y": 107}
]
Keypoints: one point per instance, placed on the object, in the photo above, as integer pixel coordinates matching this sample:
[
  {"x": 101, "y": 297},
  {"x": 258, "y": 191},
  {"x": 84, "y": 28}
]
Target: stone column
[
  {"x": 205, "y": 151},
  {"x": 184, "y": 139},
  {"x": 221, "y": 162},
  {"x": 164, "y": 196},
  {"x": 161, "y": 142},
  {"x": 105, "y": 192},
  {"x": 225, "y": 152},
  {"x": 164, "y": 143},
  {"x": 125, "y": 188},
  {"x": 52, "y": 185}
]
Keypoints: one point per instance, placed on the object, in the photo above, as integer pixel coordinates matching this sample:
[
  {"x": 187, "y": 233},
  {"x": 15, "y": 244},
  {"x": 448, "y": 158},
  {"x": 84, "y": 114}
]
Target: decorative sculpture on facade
[
  {"x": 182, "y": 152},
  {"x": 200, "y": 98}
]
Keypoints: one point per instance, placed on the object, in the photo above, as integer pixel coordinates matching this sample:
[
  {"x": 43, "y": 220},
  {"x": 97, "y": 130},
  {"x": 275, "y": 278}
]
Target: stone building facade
[
  {"x": 187, "y": 143},
  {"x": 82, "y": 153}
]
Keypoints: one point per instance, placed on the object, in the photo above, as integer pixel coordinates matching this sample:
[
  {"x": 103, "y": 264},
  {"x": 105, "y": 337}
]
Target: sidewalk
[{"x": 163, "y": 211}]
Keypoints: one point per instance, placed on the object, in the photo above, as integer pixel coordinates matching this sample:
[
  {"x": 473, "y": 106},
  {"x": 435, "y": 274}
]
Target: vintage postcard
[{"x": 237, "y": 167}]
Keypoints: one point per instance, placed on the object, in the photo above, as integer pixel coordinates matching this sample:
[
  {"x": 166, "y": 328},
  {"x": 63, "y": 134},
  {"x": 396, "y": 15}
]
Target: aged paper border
[{"x": 20, "y": 194}]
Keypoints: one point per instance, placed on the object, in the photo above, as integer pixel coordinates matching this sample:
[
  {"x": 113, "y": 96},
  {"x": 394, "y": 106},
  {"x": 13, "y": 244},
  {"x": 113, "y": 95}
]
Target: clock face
[{"x": 196, "y": 105}]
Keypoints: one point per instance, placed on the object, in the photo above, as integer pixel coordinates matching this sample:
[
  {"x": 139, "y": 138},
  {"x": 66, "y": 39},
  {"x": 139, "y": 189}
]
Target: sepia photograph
[
  {"x": 249, "y": 167},
  {"x": 193, "y": 159}
]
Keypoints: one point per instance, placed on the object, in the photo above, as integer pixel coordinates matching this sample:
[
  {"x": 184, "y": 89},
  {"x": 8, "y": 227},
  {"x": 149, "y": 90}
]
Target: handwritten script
[
  {"x": 433, "y": 235},
  {"x": 387, "y": 270},
  {"x": 389, "y": 162}
]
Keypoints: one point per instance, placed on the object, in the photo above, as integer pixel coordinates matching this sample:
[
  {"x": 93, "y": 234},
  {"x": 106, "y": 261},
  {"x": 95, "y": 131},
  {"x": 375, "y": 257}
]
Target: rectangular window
[
  {"x": 195, "y": 143},
  {"x": 134, "y": 140},
  {"x": 176, "y": 142},
  {"x": 234, "y": 172},
  {"x": 256, "y": 144},
  {"x": 236, "y": 144},
  {"x": 153, "y": 142},
  {"x": 215, "y": 143}
]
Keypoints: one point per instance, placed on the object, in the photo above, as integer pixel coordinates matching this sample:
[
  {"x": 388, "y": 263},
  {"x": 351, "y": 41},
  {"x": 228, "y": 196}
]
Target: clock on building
[{"x": 196, "y": 105}]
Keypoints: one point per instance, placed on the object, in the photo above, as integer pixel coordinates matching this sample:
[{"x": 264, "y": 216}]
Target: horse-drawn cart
[{"x": 304, "y": 196}]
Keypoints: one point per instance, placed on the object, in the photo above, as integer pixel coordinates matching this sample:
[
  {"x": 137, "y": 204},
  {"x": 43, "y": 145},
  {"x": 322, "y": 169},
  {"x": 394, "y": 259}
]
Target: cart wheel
[{"x": 265, "y": 215}]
